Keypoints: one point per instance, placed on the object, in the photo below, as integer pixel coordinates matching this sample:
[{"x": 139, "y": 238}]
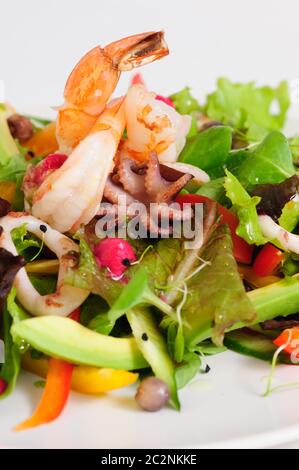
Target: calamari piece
[
  {"x": 66, "y": 298},
  {"x": 153, "y": 126},
  {"x": 271, "y": 230},
  {"x": 199, "y": 176}
]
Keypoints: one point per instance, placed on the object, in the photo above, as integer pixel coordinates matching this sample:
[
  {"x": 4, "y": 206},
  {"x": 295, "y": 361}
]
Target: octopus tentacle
[
  {"x": 132, "y": 182},
  {"x": 158, "y": 188}
]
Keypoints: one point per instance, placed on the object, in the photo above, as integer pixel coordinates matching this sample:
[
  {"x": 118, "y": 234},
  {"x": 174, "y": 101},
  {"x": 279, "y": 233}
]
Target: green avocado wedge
[{"x": 66, "y": 339}]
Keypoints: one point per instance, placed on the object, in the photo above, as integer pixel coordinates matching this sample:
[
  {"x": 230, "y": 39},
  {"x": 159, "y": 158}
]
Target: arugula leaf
[
  {"x": 248, "y": 108},
  {"x": 209, "y": 149},
  {"x": 188, "y": 369},
  {"x": 184, "y": 102},
  {"x": 12, "y": 313},
  {"x": 245, "y": 208},
  {"x": 268, "y": 163},
  {"x": 289, "y": 218},
  {"x": 213, "y": 291}
]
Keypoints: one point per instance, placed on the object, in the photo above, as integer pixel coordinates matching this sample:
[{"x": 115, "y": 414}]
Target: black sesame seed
[
  {"x": 43, "y": 228},
  {"x": 207, "y": 369},
  {"x": 144, "y": 337},
  {"x": 126, "y": 262}
]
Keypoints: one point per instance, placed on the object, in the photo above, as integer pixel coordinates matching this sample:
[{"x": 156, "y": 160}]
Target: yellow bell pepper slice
[{"x": 85, "y": 379}]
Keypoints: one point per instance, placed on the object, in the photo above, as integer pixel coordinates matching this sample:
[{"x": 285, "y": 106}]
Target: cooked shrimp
[
  {"x": 94, "y": 79},
  {"x": 66, "y": 298},
  {"x": 152, "y": 125},
  {"x": 71, "y": 195}
]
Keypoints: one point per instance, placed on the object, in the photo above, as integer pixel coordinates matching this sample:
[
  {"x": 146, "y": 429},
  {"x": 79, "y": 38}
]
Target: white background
[
  {"x": 40, "y": 41},
  {"x": 245, "y": 40}
]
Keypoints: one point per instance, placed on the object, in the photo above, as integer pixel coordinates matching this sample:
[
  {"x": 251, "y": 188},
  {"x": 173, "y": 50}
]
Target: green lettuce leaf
[
  {"x": 158, "y": 264},
  {"x": 209, "y": 150},
  {"x": 82, "y": 276},
  {"x": 289, "y": 218},
  {"x": 12, "y": 159},
  {"x": 43, "y": 284},
  {"x": 184, "y": 102},
  {"x": 10, "y": 370},
  {"x": 245, "y": 208},
  {"x": 269, "y": 162},
  {"x": 24, "y": 240},
  {"x": 215, "y": 190},
  {"x": 248, "y": 108},
  {"x": 216, "y": 293}
]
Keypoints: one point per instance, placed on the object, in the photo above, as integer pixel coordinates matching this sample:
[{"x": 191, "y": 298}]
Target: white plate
[{"x": 223, "y": 408}]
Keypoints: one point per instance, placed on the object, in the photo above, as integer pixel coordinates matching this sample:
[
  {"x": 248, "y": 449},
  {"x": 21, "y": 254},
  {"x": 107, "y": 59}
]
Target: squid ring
[
  {"x": 270, "y": 229},
  {"x": 66, "y": 298}
]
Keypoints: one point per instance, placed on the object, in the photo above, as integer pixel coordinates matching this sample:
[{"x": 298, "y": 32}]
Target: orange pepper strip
[
  {"x": 54, "y": 397},
  {"x": 290, "y": 337},
  {"x": 8, "y": 190},
  {"x": 57, "y": 390},
  {"x": 43, "y": 141}
]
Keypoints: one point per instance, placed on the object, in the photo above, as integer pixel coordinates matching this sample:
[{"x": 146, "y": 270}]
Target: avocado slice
[{"x": 66, "y": 339}]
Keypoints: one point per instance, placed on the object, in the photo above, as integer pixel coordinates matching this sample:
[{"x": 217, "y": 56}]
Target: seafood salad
[{"x": 140, "y": 234}]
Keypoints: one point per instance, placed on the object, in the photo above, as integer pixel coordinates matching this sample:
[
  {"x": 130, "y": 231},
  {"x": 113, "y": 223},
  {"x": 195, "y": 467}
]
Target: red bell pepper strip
[
  {"x": 290, "y": 338},
  {"x": 267, "y": 260},
  {"x": 56, "y": 392},
  {"x": 241, "y": 249},
  {"x": 75, "y": 315}
]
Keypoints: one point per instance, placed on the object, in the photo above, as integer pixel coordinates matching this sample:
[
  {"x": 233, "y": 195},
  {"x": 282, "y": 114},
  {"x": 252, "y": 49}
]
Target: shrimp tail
[
  {"x": 137, "y": 50},
  {"x": 94, "y": 78}
]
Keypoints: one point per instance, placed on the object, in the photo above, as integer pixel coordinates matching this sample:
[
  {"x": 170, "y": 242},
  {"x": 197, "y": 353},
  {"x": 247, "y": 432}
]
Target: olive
[
  {"x": 152, "y": 394},
  {"x": 20, "y": 127}
]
